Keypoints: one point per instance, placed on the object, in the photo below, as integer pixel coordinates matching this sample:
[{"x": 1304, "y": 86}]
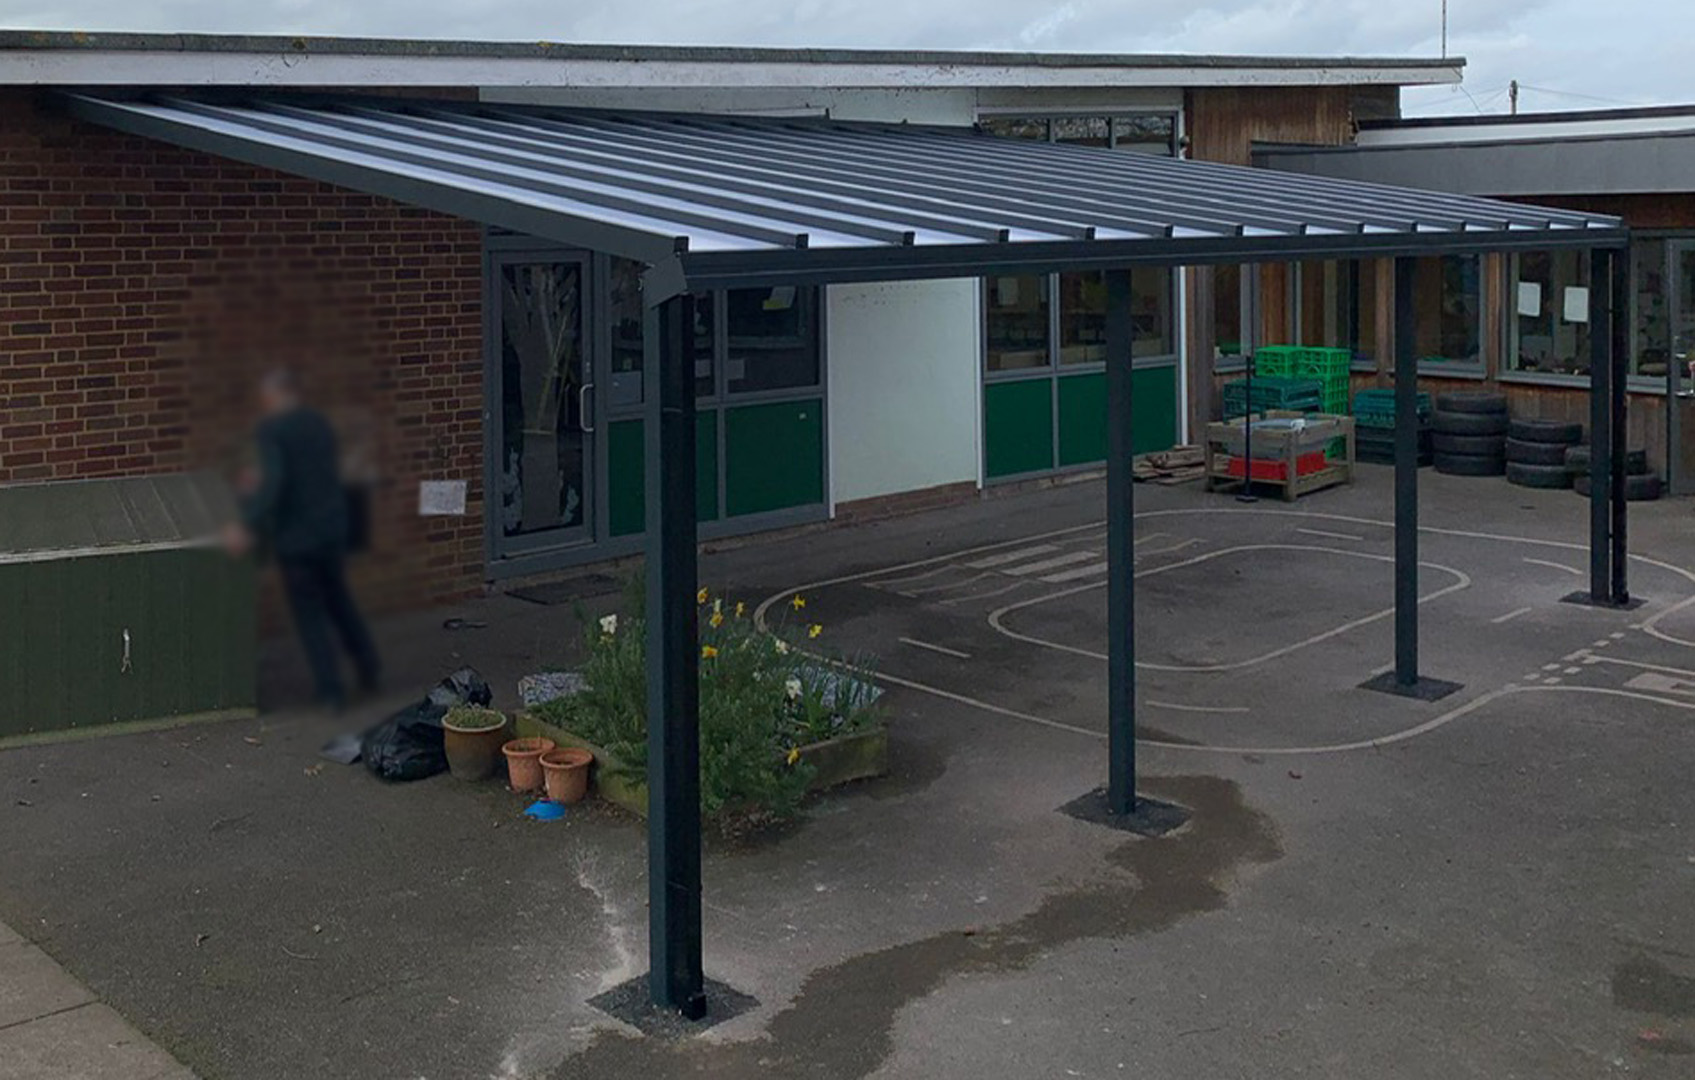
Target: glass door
[
  {"x": 1680, "y": 372},
  {"x": 544, "y": 472}
]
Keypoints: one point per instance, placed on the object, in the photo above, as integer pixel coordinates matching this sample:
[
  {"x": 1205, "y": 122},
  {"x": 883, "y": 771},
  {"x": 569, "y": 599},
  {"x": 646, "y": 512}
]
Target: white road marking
[
  {"x": 1139, "y": 541},
  {"x": 1330, "y": 535},
  {"x": 1197, "y": 708},
  {"x": 997, "y": 616},
  {"x": 943, "y": 649},
  {"x": 1001, "y": 591},
  {"x": 1551, "y": 680},
  {"x": 884, "y": 583},
  {"x": 1617, "y": 635},
  {"x": 1554, "y": 565},
  {"x": 950, "y": 586},
  {"x": 1051, "y": 564},
  {"x": 1572, "y": 670},
  {"x": 1010, "y": 556},
  {"x": 1554, "y": 667},
  {"x": 1639, "y": 665},
  {"x": 1511, "y": 615},
  {"x": 1662, "y": 684},
  {"x": 1072, "y": 575}
]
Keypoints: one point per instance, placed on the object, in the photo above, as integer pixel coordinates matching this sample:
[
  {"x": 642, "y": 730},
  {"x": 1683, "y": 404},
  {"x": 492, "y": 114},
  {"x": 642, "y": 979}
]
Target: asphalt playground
[{"x": 1497, "y": 884}]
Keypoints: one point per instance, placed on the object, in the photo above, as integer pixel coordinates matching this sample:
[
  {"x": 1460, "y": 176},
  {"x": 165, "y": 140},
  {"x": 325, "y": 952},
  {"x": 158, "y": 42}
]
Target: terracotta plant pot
[
  {"x": 473, "y": 738},
  {"x": 523, "y": 762},
  {"x": 567, "y": 770}
]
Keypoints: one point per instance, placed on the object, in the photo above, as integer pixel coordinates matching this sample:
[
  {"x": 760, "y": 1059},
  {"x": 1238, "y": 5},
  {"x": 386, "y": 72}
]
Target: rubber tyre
[
  {"x": 1464, "y": 423},
  {"x": 1536, "y": 453},
  {"x": 1470, "y": 465},
  {"x": 1577, "y": 461},
  {"x": 1469, "y": 445},
  {"x": 1478, "y": 402},
  {"x": 1558, "y": 432},
  {"x": 1537, "y": 476},
  {"x": 1645, "y": 487}
]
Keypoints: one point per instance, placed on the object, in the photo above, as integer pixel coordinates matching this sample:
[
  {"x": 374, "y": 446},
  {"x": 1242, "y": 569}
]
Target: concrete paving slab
[
  {"x": 88, "y": 1043},
  {"x": 8, "y": 936},
  {"x": 32, "y": 985}
]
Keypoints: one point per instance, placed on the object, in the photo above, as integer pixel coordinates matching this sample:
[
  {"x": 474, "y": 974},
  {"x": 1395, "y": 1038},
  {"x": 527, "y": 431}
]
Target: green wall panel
[
  {"x": 1017, "y": 426},
  {"x": 773, "y": 456},
  {"x": 1082, "y": 414},
  {"x": 626, "y": 485}
]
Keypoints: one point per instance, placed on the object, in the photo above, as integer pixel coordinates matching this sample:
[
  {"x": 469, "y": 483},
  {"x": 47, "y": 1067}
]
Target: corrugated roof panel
[{"x": 738, "y": 199}]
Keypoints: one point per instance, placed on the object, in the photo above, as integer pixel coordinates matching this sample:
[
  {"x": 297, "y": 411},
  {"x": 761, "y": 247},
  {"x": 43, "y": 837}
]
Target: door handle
[{"x": 583, "y": 407}]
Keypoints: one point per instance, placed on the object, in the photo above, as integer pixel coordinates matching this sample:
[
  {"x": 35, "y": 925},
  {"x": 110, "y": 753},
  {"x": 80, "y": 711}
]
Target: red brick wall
[{"x": 144, "y": 288}]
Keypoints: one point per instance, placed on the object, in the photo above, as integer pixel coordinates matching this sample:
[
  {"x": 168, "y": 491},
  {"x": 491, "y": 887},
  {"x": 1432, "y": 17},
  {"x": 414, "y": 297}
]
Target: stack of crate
[
  {"x": 1331, "y": 367},
  {"x": 1374, "y": 417},
  {"x": 1272, "y": 392}
]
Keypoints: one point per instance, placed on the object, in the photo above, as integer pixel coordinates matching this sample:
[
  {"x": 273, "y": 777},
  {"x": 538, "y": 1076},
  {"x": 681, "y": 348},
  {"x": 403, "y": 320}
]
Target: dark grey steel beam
[
  {"x": 1601, "y": 471},
  {"x": 1406, "y": 473},
  {"x": 1619, "y": 347},
  {"x": 1121, "y": 550},
  {"x": 675, "y": 977}
]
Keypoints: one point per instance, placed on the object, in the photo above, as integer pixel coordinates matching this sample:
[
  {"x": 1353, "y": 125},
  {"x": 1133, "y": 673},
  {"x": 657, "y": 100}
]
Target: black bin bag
[{"x": 409, "y": 744}]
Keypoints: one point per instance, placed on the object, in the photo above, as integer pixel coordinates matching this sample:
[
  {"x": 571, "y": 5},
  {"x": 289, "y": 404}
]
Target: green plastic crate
[
  {"x": 1376, "y": 408},
  {"x": 1273, "y": 392},
  {"x": 1303, "y": 361}
]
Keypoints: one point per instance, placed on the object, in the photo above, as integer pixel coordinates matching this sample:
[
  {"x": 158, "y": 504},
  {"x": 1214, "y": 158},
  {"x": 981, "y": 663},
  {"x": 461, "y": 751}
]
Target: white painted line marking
[
  {"x": 1010, "y": 556},
  {"x": 1572, "y": 670},
  {"x": 1331, "y": 535},
  {"x": 1197, "y": 708},
  {"x": 949, "y": 586},
  {"x": 1551, "y": 680},
  {"x": 1661, "y": 684},
  {"x": 944, "y": 650},
  {"x": 1511, "y": 615},
  {"x": 1641, "y": 666},
  {"x": 1530, "y": 678},
  {"x": 1140, "y": 555},
  {"x": 883, "y": 583},
  {"x": 1572, "y": 657},
  {"x": 1052, "y": 564},
  {"x": 1072, "y": 575},
  {"x": 1555, "y": 667},
  {"x": 1384, "y": 670},
  {"x": 1554, "y": 565},
  {"x": 1602, "y": 644},
  {"x": 1142, "y": 540},
  {"x": 986, "y": 594},
  {"x": 1617, "y": 635}
]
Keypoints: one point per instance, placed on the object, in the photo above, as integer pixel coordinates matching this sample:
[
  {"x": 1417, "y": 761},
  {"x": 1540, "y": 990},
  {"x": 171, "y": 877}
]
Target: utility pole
[{"x": 1512, "y": 96}]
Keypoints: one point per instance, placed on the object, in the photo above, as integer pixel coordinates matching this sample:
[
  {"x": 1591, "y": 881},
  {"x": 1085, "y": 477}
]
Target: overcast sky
[{"x": 1567, "y": 53}]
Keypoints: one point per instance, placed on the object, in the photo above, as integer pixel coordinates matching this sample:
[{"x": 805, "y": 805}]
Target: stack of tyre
[
  {"x": 1469, "y": 434},
  {"x": 1537, "y": 452},
  {"x": 1640, "y": 485}
]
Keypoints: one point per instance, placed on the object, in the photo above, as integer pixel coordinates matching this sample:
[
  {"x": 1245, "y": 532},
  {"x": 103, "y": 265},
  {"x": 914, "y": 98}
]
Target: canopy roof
[{"x": 716, "y": 201}]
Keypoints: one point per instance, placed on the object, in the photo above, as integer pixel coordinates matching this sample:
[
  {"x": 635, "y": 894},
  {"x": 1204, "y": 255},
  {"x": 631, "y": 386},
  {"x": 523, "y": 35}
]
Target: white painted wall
[{"x": 904, "y": 394}]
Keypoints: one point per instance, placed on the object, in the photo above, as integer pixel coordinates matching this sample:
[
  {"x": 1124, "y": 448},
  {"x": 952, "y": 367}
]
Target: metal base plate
[
  {"x": 1584, "y": 599},
  {"x": 630, "y": 1002},
  {"x": 1422, "y": 690},
  {"x": 1150, "y": 817}
]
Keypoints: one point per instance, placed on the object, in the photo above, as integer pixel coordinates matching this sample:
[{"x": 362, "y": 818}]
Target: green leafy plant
[{"x": 762, "y": 698}]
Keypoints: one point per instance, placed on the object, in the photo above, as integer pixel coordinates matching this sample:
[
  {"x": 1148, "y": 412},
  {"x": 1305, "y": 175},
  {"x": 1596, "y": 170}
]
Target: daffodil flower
[
  {"x": 781, "y": 646},
  {"x": 718, "y": 606},
  {"x": 700, "y": 597},
  {"x": 814, "y": 630},
  {"x": 794, "y": 754},
  {"x": 707, "y": 652},
  {"x": 741, "y": 609},
  {"x": 798, "y": 602},
  {"x": 792, "y": 687},
  {"x": 717, "y": 619},
  {"x": 609, "y": 625}
]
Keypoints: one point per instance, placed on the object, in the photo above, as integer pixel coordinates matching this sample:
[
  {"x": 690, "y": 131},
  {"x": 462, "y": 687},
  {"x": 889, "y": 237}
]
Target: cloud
[{"x": 1621, "y": 50}]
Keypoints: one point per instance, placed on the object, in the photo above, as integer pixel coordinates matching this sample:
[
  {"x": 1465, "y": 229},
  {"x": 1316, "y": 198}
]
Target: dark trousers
[{"x": 318, "y": 595}]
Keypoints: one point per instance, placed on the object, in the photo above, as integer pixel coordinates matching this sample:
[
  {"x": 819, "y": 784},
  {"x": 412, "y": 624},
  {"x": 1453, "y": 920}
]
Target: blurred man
[{"x": 296, "y": 504}]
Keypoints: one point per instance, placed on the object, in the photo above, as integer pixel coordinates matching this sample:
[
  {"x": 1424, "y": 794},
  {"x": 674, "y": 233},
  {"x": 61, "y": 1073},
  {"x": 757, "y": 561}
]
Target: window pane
[
  {"x": 543, "y": 477},
  {"x": 1082, "y": 318},
  {"x": 1227, "y": 310},
  {"x": 1017, "y": 323},
  {"x": 773, "y": 339},
  {"x": 626, "y": 329},
  {"x": 1683, "y": 323},
  {"x": 1150, "y": 313},
  {"x": 1448, "y": 294},
  {"x": 1016, "y": 127},
  {"x": 704, "y": 346},
  {"x": 1144, "y": 134},
  {"x": 1082, "y": 130},
  {"x": 1324, "y": 305},
  {"x": 1543, "y": 339},
  {"x": 1653, "y": 343}
]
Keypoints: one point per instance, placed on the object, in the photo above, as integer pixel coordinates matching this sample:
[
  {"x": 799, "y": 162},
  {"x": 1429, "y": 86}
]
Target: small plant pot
[
  {"x": 473, "y": 738},
  {"x": 523, "y": 762},
  {"x": 567, "y": 773}
]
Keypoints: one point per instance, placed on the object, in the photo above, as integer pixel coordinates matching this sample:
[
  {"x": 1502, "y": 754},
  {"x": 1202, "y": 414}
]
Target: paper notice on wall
[
  {"x": 438, "y": 498},
  {"x": 782, "y": 298},
  {"x": 1577, "y": 304},
  {"x": 1530, "y": 299}
]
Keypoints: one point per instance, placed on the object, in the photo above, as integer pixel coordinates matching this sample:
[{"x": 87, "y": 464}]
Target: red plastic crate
[{"x": 1267, "y": 469}]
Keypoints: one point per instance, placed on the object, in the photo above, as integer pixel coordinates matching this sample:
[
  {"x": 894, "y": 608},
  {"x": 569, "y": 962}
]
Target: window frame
[{"x": 1509, "y": 371}]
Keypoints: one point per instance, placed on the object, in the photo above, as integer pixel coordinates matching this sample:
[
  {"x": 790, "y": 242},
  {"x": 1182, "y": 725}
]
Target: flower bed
[{"x": 775, "y": 723}]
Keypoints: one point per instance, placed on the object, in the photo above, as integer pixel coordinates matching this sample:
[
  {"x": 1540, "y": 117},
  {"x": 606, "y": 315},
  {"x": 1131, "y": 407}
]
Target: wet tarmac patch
[{"x": 841, "y": 1024}]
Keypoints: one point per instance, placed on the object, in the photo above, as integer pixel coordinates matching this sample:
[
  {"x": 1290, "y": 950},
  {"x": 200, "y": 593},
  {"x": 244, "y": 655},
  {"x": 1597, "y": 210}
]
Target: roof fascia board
[{"x": 161, "y": 67}]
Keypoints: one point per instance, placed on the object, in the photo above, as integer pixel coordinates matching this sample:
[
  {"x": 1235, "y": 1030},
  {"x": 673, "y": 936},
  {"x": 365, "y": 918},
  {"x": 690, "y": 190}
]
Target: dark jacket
[{"x": 300, "y": 506}]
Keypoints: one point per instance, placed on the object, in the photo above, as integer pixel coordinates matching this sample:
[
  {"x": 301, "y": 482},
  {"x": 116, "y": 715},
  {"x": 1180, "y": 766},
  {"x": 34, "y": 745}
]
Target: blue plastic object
[{"x": 543, "y": 810}]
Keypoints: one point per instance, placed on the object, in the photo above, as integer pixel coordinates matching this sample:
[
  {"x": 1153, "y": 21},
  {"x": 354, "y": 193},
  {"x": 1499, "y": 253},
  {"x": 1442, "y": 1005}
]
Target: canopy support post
[{"x": 1619, "y": 287}]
